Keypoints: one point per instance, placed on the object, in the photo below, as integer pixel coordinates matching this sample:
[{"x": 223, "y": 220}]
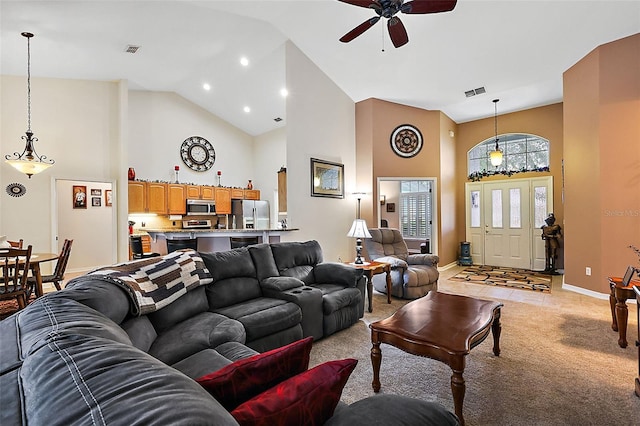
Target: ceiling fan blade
[
  {"x": 359, "y": 29},
  {"x": 370, "y": 4},
  {"x": 428, "y": 6},
  {"x": 397, "y": 32}
]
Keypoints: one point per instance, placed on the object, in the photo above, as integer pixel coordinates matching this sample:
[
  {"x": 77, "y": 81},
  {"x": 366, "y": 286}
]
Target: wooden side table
[
  {"x": 636, "y": 289},
  {"x": 619, "y": 311},
  {"x": 369, "y": 270}
]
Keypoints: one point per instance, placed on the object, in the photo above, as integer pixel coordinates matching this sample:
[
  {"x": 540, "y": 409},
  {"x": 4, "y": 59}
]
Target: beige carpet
[
  {"x": 506, "y": 277},
  {"x": 560, "y": 362}
]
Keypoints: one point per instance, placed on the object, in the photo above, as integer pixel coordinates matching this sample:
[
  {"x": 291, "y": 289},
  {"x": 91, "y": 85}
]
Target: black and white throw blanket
[{"x": 155, "y": 282}]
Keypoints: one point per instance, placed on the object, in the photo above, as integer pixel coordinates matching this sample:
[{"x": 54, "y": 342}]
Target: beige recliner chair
[{"x": 412, "y": 275}]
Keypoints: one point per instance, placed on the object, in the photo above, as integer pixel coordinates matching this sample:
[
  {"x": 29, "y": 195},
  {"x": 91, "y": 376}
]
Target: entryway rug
[{"x": 506, "y": 277}]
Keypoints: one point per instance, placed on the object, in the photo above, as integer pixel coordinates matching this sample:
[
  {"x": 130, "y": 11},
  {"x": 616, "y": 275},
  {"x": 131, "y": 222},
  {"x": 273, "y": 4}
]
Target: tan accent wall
[
  {"x": 544, "y": 121},
  {"x": 602, "y": 162}
]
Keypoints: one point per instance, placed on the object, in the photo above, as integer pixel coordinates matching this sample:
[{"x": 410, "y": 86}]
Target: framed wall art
[
  {"x": 96, "y": 201},
  {"x": 108, "y": 201},
  {"x": 327, "y": 179},
  {"x": 96, "y": 192},
  {"x": 391, "y": 207},
  {"x": 79, "y": 197}
]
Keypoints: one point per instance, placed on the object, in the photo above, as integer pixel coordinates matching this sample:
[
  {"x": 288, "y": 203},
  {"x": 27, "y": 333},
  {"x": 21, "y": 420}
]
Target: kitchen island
[{"x": 210, "y": 240}]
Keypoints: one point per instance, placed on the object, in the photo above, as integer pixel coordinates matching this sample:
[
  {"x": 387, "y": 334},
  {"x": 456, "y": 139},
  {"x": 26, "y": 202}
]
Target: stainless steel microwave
[{"x": 200, "y": 207}]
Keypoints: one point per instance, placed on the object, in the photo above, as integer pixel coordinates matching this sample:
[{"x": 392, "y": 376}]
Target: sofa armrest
[
  {"x": 336, "y": 273},
  {"x": 394, "y": 261},
  {"x": 280, "y": 283},
  {"x": 423, "y": 259}
]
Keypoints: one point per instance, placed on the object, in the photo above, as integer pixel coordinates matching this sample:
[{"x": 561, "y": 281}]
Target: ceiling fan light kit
[{"x": 388, "y": 9}]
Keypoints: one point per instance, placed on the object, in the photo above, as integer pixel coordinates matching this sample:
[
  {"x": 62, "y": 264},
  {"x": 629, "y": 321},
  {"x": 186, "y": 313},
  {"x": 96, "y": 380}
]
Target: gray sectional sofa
[{"x": 124, "y": 344}]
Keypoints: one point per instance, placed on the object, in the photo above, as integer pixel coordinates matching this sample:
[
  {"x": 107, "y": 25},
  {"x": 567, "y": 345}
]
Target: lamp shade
[
  {"x": 495, "y": 157},
  {"x": 359, "y": 229}
]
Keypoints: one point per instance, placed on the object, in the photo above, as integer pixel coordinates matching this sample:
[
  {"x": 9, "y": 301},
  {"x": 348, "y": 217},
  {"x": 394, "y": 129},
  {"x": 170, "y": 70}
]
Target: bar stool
[{"x": 182, "y": 243}]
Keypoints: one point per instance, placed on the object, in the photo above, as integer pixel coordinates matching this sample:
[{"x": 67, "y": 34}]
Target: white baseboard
[
  {"x": 449, "y": 266},
  {"x": 590, "y": 293}
]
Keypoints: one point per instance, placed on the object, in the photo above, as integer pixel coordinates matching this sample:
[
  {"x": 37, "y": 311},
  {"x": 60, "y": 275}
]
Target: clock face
[
  {"x": 406, "y": 141},
  {"x": 197, "y": 153}
]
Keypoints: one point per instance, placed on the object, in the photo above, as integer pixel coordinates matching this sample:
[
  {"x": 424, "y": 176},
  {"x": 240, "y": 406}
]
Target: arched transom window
[{"x": 521, "y": 153}]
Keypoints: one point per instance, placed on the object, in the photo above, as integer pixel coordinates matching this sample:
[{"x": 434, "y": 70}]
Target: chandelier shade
[
  {"x": 495, "y": 156},
  {"x": 29, "y": 162}
]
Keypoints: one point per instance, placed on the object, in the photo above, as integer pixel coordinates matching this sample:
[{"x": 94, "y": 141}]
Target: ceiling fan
[{"x": 388, "y": 9}]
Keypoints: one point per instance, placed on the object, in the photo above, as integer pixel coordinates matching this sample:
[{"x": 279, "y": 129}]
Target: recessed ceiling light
[
  {"x": 284, "y": 92},
  {"x": 244, "y": 61},
  {"x": 206, "y": 86},
  {"x": 247, "y": 109}
]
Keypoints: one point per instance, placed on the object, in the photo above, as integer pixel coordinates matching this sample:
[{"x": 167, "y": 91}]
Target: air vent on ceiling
[
  {"x": 473, "y": 92},
  {"x": 277, "y": 119},
  {"x": 131, "y": 48}
]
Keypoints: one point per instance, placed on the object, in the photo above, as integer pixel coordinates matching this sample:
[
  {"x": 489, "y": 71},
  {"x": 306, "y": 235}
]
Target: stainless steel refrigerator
[{"x": 250, "y": 214}]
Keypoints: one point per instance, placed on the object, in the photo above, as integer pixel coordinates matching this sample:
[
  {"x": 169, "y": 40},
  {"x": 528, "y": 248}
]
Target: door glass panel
[
  {"x": 496, "y": 211},
  {"x": 475, "y": 209},
  {"x": 515, "y": 219},
  {"x": 540, "y": 207}
]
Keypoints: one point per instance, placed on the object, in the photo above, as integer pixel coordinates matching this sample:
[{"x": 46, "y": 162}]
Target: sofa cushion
[
  {"x": 240, "y": 381},
  {"x": 229, "y": 264},
  {"x": 106, "y": 298},
  {"x": 337, "y": 273},
  {"x": 335, "y": 297},
  {"x": 280, "y": 283},
  {"x": 203, "y": 331},
  {"x": 140, "y": 331},
  {"x": 187, "y": 306},
  {"x": 208, "y": 360},
  {"x": 263, "y": 260},
  {"x": 264, "y": 316},
  {"x": 388, "y": 409},
  {"x": 90, "y": 380},
  {"x": 308, "y": 398},
  {"x": 297, "y": 259}
]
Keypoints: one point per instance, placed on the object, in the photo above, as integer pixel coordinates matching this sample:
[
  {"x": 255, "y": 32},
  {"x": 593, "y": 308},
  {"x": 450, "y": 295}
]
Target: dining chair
[
  {"x": 58, "y": 274},
  {"x": 135, "y": 242},
  {"x": 14, "y": 264},
  {"x": 16, "y": 244}
]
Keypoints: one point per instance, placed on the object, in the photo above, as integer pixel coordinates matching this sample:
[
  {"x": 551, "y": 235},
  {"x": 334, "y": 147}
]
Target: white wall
[
  {"x": 77, "y": 124},
  {"x": 269, "y": 154},
  {"x": 158, "y": 124},
  {"x": 320, "y": 124}
]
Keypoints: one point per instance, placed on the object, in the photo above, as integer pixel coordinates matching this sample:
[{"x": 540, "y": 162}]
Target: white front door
[
  {"x": 506, "y": 228},
  {"x": 503, "y": 221}
]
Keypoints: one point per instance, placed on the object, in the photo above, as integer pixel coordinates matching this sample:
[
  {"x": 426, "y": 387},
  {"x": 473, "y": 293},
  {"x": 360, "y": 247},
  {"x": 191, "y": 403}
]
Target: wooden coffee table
[
  {"x": 441, "y": 326},
  {"x": 369, "y": 270}
]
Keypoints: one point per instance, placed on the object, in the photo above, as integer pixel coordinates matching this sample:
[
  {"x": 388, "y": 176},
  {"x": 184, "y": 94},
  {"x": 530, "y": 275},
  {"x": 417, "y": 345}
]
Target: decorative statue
[{"x": 551, "y": 234}]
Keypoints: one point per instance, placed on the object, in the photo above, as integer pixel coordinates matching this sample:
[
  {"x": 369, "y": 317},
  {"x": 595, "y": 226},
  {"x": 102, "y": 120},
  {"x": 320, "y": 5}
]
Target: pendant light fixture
[
  {"x": 496, "y": 155},
  {"x": 29, "y": 162}
]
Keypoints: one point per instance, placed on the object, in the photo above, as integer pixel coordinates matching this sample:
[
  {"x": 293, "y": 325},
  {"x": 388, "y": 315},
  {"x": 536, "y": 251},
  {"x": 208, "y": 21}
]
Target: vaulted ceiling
[{"x": 516, "y": 50}]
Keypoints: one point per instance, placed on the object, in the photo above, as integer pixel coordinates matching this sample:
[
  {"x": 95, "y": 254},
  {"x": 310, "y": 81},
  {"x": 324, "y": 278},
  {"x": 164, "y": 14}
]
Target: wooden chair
[
  {"x": 16, "y": 244},
  {"x": 14, "y": 264},
  {"x": 58, "y": 274}
]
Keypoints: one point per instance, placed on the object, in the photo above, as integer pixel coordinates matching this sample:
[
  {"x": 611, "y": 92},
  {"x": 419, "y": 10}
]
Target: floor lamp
[{"x": 359, "y": 230}]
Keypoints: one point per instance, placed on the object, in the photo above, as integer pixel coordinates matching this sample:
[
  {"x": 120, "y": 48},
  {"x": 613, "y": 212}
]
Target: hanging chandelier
[
  {"x": 496, "y": 155},
  {"x": 29, "y": 162}
]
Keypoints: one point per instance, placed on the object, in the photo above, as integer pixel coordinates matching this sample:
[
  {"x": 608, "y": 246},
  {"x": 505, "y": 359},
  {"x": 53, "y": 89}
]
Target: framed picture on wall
[
  {"x": 96, "y": 201},
  {"x": 391, "y": 207},
  {"x": 96, "y": 192},
  {"x": 107, "y": 198},
  {"x": 79, "y": 197},
  {"x": 327, "y": 179}
]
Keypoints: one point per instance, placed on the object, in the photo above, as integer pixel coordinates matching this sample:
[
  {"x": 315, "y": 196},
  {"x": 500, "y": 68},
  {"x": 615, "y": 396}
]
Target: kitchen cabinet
[
  {"x": 282, "y": 191},
  {"x": 223, "y": 200},
  {"x": 251, "y": 194},
  {"x": 177, "y": 196},
  {"x": 156, "y": 197},
  {"x": 237, "y": 193},
  {"x": 147, "y": 197},
  {"x": 197, "y": 192}
]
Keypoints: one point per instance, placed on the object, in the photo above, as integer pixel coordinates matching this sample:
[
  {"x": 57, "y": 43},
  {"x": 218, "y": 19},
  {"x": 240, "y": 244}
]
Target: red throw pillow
[
  {"x": 306, "y": 399},
  {"x": 243, "y": 379}
]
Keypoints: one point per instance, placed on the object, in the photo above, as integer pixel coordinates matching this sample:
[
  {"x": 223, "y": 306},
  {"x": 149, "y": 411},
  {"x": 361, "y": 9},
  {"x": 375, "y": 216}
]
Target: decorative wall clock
[
  {"x": 197, "y": 153},
  {"x": 16, "y": 189},
  {"x": 406, "y": 141}
]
